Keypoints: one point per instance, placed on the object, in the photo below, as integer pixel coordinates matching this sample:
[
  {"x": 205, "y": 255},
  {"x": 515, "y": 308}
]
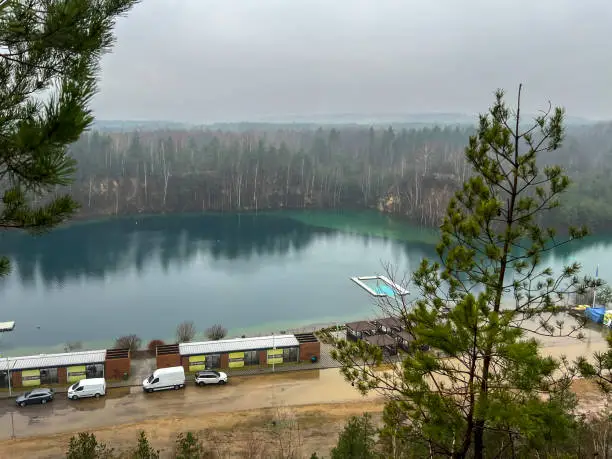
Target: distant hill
[
  {"x": 134, "y": 125},
  {"x": 415, "y": 121}
]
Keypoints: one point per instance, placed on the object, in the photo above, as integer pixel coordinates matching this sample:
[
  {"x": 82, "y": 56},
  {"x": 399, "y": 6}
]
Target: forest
[{"x": 409, "y": 172}]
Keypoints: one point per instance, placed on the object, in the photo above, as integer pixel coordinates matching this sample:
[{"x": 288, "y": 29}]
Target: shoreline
[{"x": 594, "y": 337}]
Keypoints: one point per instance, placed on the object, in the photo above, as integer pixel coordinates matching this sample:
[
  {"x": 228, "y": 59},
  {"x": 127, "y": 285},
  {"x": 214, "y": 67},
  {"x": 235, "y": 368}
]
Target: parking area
[{"x": 130, "y": 404}]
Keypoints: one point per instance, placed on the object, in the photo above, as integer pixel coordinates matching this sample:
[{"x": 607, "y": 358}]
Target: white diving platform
[{"x": 380, "y": 286}]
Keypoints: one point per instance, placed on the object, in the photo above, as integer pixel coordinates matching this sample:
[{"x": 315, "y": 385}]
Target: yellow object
[
  {"x": 30, "y": 378},
  {"x": 197, "y": 362},
  {"x": 236, "y": 359},
  {"x": 275, "y": 356},
  {"x": 76, "y": 373}
]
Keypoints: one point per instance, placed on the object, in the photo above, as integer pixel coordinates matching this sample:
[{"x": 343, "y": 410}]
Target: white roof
[
  {"x": 92, "y": 381},
  {"x": 238, "y": 344},
  {"x": 52, "y": 360},
  {"x": 7, "y": 326}
]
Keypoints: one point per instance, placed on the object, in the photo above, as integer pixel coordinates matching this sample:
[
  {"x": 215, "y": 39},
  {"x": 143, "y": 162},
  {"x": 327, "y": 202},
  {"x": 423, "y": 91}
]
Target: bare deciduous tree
[
  {"x": 131, "y": 342},
  {"x": 216, "y": 332},
  {"x": 72, "y": 346},
  {"x": 185, "y": 332}
]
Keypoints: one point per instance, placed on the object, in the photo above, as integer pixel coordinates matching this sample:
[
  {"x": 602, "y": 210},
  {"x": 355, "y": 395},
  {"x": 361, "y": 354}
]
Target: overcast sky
[{"x": 229, "y": 60}]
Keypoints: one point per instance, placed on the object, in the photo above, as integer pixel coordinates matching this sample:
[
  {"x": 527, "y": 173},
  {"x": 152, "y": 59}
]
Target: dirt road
[{"x": 129, "y": 405}]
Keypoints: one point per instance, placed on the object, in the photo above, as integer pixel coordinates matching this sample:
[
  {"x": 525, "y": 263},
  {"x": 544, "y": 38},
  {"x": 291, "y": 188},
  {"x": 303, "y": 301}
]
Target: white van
[
  {"x": 165, "y": 378},
  {"x": 94, "y": 387}
]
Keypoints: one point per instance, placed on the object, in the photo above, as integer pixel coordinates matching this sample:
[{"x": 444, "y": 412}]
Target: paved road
[{"x": 125, "y": 405}]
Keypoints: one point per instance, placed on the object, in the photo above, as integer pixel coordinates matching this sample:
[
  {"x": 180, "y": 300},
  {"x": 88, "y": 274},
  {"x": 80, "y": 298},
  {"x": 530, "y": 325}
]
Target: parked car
[
  {"x": 35, "y": 396},
  {"x": 210, "y": 377},
  {"x": 94, "y": 387},
  {"x": 165, "y": 378}
]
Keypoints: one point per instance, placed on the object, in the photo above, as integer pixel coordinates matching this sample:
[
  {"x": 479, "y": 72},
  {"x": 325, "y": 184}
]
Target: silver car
[{"x": 210, "y": 377}]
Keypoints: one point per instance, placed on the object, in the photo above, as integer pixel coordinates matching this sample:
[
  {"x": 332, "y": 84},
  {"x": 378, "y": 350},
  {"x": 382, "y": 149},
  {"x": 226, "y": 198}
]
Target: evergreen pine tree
[
  {"x": 474, "y": 379},
  {"x": 49, "y": 62}
]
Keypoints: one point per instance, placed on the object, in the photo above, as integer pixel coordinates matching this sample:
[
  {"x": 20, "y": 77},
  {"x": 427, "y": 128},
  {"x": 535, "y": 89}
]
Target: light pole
[
  {"x": 7, "y": 327},
  {"x": 274, "y": 352}
]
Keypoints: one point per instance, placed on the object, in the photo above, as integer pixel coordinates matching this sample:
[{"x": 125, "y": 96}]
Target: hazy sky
[{"x": 228, "y": 60}]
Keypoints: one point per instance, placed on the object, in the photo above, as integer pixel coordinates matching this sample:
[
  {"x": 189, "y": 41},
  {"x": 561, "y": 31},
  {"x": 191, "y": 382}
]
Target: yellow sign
[
  {"x": 275, "y": 356},
  {"x": 236, "y": 359},
  {"x": 76, "y": 373},
  {"x": 30, "y": 378},
  {"x": 197, "y": 362}
]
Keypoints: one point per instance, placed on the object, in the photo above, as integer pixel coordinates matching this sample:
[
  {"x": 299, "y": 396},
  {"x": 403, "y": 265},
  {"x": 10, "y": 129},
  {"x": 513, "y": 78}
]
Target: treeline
[{"x": 409, "y": 172}]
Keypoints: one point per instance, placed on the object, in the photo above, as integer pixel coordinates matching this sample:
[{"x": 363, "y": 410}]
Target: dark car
[{"x": 35, "y": 396}]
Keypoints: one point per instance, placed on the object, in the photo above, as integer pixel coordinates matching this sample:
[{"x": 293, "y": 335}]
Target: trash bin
[{"x": 313, "y": 359}]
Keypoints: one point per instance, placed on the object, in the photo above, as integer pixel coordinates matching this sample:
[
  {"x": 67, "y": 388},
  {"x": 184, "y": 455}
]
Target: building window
[
  {"x": 95, "y": 370},
  {"x": 291, "y": 354},
  {"x": 48, "y": 376},
  {"x": 251, "y": 358},
  {"x": 213, "y": 361},
  {"x": 4, "y": 379}
]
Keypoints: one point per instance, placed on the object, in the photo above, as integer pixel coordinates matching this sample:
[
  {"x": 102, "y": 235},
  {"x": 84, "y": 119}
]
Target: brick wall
[
  {"x": 16, "y": 378},
  {"x": 263, "y": 358},
  {"x": 62, "y": 375},
  {"x": 224, "y": 361},
  {"x": 116, "y": 368},
  {"x": 185, "y": 363},
  {"x": 307, "y": 350},
  {"x": 168, "y": 360}
]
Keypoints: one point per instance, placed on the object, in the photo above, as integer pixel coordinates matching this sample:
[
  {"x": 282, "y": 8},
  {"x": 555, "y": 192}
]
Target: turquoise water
[{"x": 251, "y": 273}]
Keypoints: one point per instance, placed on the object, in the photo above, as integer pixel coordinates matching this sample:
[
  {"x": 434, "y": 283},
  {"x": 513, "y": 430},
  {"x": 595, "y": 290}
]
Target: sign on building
[
  {"x": 275, "y": 356},
  {"x": 236, "y": 359},
  {"x": 30, "y": 378},
  {"x": 197, "y": 362},
  {"x": 76, "y": 373}
]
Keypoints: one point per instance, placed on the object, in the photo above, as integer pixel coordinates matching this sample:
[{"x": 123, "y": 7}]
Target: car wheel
[
  {"x": 43, "y": 401},
  {"x": 97, "y": 395},
  {"x": 74, "y": 397},
  {"x": 22, "y": 404},
  {"x": 177, "y": 387},
  {"x": 222, "y": 382},
  {"x": 149, "y": 390}
]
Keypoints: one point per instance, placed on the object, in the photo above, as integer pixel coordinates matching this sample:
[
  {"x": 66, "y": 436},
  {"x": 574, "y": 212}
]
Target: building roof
[
  {"x": 360, "y": 326},
  {"x": 52, "y": 360},
  {"x": 7, "y": 326},
  {"x": 390, "y": 322},
  {"x": 238, "y": 344},
  {"x": 380, "y": 340},
  {"x": 406, "y": 336}
]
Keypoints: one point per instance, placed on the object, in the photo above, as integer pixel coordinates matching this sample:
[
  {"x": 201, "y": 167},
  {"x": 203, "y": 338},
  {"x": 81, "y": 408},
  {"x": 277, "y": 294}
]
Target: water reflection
[{"x": 90, "y": 251}]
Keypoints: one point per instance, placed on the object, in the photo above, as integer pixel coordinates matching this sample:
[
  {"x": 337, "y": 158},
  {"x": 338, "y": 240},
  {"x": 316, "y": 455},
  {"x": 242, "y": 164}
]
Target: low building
[
  {"x": 64, "y": 368},
  {"x": 360, "y": 329},
  {"x": 240, "y": 352}
]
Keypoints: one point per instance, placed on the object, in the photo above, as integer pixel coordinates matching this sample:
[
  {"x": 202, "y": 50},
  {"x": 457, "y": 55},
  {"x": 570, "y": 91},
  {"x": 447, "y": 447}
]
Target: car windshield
[
  {"x": 150, "y": 379},
  {"x": 74, "y": 386},
  {"x": 27, "y": 394}
]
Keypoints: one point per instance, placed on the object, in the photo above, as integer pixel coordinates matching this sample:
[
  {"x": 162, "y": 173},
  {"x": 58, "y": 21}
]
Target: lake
[{"x": 95, "y": 281}]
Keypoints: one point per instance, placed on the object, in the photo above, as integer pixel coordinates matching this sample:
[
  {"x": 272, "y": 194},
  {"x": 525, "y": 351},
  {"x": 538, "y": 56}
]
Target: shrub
[
  {"x": 356, "y": 440},
  {"x": 85, "y": 446},
  {"x": 144, "y": 450},
  {"x": 131, "y": 342},
  {"x": 189, "y": 446},
  {"x": 216, "y": 332},
  {"x": 152, "y": 346},
  {"x": 185, "y": 332}
]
